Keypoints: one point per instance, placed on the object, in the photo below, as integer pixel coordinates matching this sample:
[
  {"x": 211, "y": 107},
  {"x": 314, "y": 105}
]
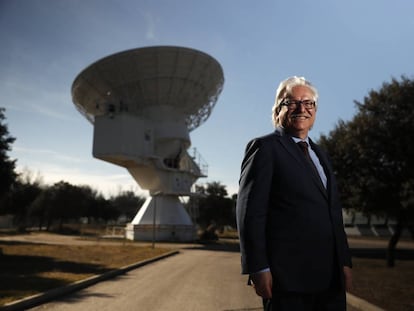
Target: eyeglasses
[{"x": 293, "y": 104}]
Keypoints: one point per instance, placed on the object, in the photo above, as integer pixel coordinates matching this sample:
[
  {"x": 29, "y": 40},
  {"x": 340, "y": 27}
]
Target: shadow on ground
[
  {"x": 23, "y": 274},
  {"x": 220, "y": 246}
]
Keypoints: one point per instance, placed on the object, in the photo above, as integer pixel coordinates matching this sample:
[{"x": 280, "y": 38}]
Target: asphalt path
[{"x": 195, "y": 279}]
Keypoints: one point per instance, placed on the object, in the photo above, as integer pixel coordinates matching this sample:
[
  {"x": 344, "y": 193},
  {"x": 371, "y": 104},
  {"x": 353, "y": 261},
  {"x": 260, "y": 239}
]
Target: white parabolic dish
[{"x": 186, "y": 80}]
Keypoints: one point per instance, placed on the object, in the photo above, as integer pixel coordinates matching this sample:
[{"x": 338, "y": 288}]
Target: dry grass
[
  {"x": 389, "y": 288},
  {"x": 28, "y": 269}
]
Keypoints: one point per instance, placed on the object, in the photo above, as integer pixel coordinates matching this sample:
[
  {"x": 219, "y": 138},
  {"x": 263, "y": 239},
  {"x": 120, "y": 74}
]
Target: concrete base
[
  {"x": 161, "y": 218},
  {"x": 161, "y": 233}
]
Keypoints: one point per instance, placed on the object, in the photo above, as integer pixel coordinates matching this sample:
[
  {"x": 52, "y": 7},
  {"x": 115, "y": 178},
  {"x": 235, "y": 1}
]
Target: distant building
[{"x": 356, "y": 223}]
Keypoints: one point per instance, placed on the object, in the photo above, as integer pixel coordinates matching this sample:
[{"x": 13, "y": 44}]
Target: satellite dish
[{"x": 143, "y": 104}]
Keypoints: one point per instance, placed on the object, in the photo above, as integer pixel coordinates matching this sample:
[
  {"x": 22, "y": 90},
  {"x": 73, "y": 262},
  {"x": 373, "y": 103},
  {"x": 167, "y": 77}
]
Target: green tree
[
  {"x": 63, "y": 202},
  {"x": 127, "y": 203},
  {"x": 91, "y": 204},
  {"x": 214, "y": 205},
  {"x": 60, "y": 203},
  {"x": 41, "y": 207},
  {"x": 373, "y": 156},
  {"x": 7, "y": 165},
  {"x": 19, "y": 198},
  {"x": 104, "y": 210}
]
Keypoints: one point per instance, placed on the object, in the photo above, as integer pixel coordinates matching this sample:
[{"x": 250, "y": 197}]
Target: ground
[{"x": 28, "y": 268}]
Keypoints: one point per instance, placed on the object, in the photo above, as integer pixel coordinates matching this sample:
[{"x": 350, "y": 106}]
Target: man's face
[{"x": 298, "y": 120}]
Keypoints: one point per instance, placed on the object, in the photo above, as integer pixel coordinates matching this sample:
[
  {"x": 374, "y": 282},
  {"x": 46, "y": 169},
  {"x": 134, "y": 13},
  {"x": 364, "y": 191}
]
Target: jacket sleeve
[{"x": 252, "y": 205}]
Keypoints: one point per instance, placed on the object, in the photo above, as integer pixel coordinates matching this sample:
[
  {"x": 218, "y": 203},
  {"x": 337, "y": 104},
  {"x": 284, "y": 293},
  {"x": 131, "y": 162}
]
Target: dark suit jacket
[{"x": 287, "y": 220}]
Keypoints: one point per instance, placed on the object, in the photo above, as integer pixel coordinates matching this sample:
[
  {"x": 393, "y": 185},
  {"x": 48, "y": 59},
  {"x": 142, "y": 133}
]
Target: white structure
[{"x": 143, "y": 103}]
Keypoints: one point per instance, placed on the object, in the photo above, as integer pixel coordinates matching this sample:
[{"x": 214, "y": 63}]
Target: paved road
[{"x": 192, "y": 280}]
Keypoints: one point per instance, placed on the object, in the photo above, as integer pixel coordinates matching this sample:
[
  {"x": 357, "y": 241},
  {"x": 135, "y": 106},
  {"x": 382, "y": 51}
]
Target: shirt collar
[{"x": 297, "y": 139}]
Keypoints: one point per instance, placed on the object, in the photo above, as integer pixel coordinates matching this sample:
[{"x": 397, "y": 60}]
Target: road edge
[{"x": 361, "y": 304}]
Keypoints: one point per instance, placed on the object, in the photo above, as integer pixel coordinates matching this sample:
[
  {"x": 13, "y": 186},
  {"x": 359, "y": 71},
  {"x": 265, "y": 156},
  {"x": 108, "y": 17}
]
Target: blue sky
[{"x": 346, "y": 48}]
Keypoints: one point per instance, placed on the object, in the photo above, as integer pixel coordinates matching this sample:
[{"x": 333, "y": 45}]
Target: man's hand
[
  {"x": 348, "y": 278},
  {"x": 262, "y": 283}
]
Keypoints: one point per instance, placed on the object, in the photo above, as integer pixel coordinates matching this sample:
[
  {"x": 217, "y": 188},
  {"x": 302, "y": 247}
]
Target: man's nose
[{"x": 300, "y": 107}]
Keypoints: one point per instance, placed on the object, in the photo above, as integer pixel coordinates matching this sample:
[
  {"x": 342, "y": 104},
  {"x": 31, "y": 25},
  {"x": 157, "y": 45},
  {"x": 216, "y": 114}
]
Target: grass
[
  {"x": 389, "y": 288},
  {"x": 28, "y": 269}
]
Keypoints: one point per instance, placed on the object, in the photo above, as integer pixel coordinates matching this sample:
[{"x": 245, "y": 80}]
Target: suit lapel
[
  {"x": 324, "y": 162},
  {"x": 290, "y": 146}
]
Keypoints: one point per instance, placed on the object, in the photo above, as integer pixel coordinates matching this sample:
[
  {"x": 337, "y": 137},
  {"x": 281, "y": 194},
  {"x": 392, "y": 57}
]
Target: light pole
[{"x": 154, "y": 218}]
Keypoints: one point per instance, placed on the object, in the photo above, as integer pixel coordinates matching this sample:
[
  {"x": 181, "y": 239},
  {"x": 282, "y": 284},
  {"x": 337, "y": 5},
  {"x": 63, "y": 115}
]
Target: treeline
[{"x": 47, "y": 207}]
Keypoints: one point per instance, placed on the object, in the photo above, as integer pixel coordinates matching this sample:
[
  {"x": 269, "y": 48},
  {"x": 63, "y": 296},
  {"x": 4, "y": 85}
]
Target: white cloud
[
  {"x": 28, "y": 97},
  {"x": 22, "y": 153},
  {"x": 151, "y": 22},
  {"x": 51, "y": 167}
]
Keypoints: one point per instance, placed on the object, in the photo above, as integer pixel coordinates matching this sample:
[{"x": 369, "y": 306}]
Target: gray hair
[{"x": 284, "y": 90}]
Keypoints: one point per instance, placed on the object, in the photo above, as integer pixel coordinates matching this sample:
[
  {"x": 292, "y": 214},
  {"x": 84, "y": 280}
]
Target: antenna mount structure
[{"x": 143, "y": 104}]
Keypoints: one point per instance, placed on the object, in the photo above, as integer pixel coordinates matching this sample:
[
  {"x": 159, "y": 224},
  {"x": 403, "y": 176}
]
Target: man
[{"x": 289, "y": 217}]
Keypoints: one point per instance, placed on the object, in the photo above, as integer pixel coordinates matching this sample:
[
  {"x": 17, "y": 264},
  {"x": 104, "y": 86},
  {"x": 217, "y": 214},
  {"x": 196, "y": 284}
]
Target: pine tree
[{"x": 7, "y": 165}]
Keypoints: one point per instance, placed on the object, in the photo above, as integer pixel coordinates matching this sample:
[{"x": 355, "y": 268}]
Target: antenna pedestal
[{"x": 161, "y": 218}]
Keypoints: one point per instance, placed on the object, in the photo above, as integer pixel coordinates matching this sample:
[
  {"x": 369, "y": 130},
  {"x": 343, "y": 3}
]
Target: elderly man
[{"x": 289, "y": 217}]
